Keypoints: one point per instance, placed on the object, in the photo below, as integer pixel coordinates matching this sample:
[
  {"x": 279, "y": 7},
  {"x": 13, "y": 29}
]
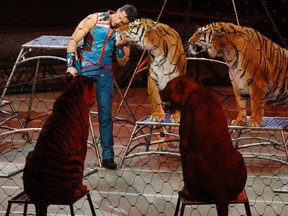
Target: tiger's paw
[
  {"x": 162, "y": 147},
  {"x": 254, "y": 123},
  {"x": 236, "y": 122},
  {"x": 175, "y": 117},
  {"x": 84, "y": 188},
  {"x": 183, "y": 192},
  {"x": 79, "y": 192},
  {"x": 157, "y": 116}
]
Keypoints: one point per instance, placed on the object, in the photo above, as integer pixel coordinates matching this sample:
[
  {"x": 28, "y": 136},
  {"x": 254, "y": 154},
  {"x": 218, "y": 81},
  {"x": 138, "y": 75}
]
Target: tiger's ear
[
  {"x": 178, "y": 87},
  {"x": 69, "y": 77}
]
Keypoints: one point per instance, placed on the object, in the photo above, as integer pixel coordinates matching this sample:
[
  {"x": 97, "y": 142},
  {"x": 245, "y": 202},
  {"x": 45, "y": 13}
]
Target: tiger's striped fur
[
  {"x": 258, "y": 67},
  {"x": 166, "y": 59},
  {"x": 54, "y": 169}
]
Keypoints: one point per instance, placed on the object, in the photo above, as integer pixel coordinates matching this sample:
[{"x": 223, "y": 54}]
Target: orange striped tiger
[
  {"x": 257, "y": 66},
  {"x": 54, "y": 169},
  {"x": 167, "y": 58}
]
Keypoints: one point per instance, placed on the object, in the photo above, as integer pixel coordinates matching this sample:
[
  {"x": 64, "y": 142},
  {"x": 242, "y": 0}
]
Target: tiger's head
[
  {"x": 136, "y": 31},
  {"x": 204, "y": 37},
  {"x": 177, "y": 92}
]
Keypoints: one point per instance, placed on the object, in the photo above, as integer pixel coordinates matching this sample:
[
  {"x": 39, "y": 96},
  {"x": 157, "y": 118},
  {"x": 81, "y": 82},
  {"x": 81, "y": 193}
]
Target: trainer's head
[{"x": 123, "y": 16}]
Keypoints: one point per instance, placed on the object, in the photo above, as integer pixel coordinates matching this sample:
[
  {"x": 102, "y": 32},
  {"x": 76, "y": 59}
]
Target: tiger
[
  {"x": 257, "y": 66},
  {"x": 53, "y": 171},
  {"x": 213, "y": 170},
  {"x": 166, "y": 58}
]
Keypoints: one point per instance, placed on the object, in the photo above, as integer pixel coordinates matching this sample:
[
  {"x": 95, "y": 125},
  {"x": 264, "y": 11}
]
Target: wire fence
[{"x": 145, "y": 183}]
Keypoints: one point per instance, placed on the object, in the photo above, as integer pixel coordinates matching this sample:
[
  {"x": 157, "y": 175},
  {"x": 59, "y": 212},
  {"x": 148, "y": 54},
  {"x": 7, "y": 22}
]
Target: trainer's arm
[{"x": 82, "y": 29}]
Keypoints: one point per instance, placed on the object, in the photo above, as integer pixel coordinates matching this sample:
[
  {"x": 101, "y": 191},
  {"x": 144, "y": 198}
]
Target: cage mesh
[{"x": 146, "y": 184}]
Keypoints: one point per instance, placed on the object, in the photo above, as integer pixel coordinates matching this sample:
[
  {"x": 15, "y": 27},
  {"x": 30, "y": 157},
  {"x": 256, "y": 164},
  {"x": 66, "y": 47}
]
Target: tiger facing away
[
  {"x": 213, "y": 170},
  {"x": 54, "y": 169},
  {"x": 257, "y": 66},
  {"x": 166, "y": 59}
]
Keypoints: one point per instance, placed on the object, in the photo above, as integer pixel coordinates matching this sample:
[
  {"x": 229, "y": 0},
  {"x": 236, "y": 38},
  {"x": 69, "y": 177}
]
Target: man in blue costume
[{"x": 95, "y": 61}]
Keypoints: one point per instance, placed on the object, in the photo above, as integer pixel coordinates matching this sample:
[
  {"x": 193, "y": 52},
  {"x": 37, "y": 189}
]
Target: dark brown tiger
[
  {"x": 212, "y": 169},
  {"x": 54, "y": 169}
]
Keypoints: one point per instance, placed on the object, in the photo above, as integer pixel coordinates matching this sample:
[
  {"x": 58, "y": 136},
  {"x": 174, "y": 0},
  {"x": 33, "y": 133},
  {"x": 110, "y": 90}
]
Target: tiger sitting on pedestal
[
  {"x": 166, "y": 59},
  {"x": 258, "y": 67},
  {"x": 54, "y": 169},
  {"x": 213, "y": 170}
]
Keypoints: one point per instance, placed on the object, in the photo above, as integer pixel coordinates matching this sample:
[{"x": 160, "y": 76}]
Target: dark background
[
  {"x": 22, "y": 21},
  {"x": 21, "y": 15}
]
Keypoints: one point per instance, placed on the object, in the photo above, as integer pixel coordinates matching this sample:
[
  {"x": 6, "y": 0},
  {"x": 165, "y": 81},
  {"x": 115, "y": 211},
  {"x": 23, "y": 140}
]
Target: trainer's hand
[
  {"x": 122, "y": 40},
  {"x": 72, "y": 71}
]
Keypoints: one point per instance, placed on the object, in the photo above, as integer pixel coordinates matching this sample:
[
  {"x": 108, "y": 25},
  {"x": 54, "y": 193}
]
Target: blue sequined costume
[{"x": 96, "y": 62}]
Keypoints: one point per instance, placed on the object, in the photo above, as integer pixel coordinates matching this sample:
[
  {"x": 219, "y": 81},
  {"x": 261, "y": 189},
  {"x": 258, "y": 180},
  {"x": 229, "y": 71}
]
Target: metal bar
[
  {"x": 11, "y": 75},
  {"x": 32, "y": 93}
]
